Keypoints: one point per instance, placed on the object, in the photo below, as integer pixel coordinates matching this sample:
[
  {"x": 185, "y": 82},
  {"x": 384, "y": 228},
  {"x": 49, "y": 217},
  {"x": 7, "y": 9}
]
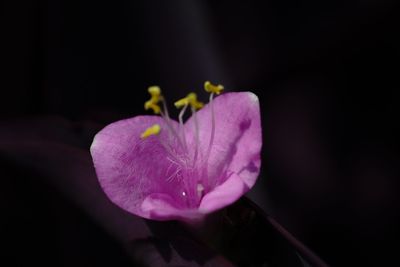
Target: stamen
[
  {"x": 181, "y": 129},
  {"x": 212, "y": 128},
  {"x": 154, "y": 91},
  {"x": 196, "y": 130},
  {"x": 194, "y": 103},
  {"x": 190, "y": 99},
  {"x": 180, "y": 162},
  {"x": 182, "y": 102},
  {"x": 156, "y": 97},
  {"x": 151, "y": 105},
  {"x": 170, "y": 127},
  {"x": 211, "y": 88},
  {"x": 152, "y": 130}
]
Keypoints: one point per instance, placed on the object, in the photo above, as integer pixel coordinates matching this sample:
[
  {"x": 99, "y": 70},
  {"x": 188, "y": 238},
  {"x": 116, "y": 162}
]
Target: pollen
[
  {"x": 190, "y": 99},
  {"x": 152, "y": 130},
  {"x": 156, "y": 97},
  {"x": 211, "y": 88},
  {"x": 151, "y": 105},
  {"x": 155, "y": 92}
]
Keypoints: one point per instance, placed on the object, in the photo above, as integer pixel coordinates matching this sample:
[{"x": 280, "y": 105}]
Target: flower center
[{"x": 189, "y": 165}]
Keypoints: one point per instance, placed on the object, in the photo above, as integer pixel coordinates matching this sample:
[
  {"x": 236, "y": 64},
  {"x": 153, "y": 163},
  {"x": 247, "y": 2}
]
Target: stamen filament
[
  {"x": 182, "y": 130},
  {"x": 157, "y": 97},
  {"x": 170, "y": 127},
  {"x": 196, "y": 129},
  {"x": 212, "y": 128}
]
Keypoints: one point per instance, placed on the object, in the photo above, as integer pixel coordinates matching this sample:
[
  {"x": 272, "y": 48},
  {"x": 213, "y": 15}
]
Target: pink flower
[{"x": 160, "y": 169}]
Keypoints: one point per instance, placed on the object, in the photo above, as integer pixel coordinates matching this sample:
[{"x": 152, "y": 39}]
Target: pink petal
[
  {"x": 161, "y": 207},
  {"x": 223, "y": 195},
  {"x": 238, "y": 139},
  {"x": 130, "y": 168}
]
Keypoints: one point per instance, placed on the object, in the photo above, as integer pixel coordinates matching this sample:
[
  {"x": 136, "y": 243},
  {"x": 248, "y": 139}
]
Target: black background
[{"x": 326, "y": 73}]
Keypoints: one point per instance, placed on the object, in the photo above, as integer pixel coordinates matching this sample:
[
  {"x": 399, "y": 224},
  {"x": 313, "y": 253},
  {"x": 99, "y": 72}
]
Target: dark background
[{"x": 326, "y": 73}]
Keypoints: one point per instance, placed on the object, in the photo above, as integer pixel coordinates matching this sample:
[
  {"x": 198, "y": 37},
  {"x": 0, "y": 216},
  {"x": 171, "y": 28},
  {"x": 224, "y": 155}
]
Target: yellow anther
[
  {"x": 155, "y": 93},
  {"x": 151, "y": 105},
  {"x": 211, "y": 88},
  {"x": 194, "y": 103},
  {"x": 152, "y": 130},
  {"x": 156, "y": 97},
  {"x": 190, "y": 99},
  {"x": 181, "y": 102}
]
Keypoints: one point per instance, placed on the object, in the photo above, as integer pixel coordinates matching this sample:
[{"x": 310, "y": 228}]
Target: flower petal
[
  {"x": 223, "y": 195},
  {"x": 130, "y": 168},
  {"x": 160, "y": 207},
  {"x": 237, "y": 140}
]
